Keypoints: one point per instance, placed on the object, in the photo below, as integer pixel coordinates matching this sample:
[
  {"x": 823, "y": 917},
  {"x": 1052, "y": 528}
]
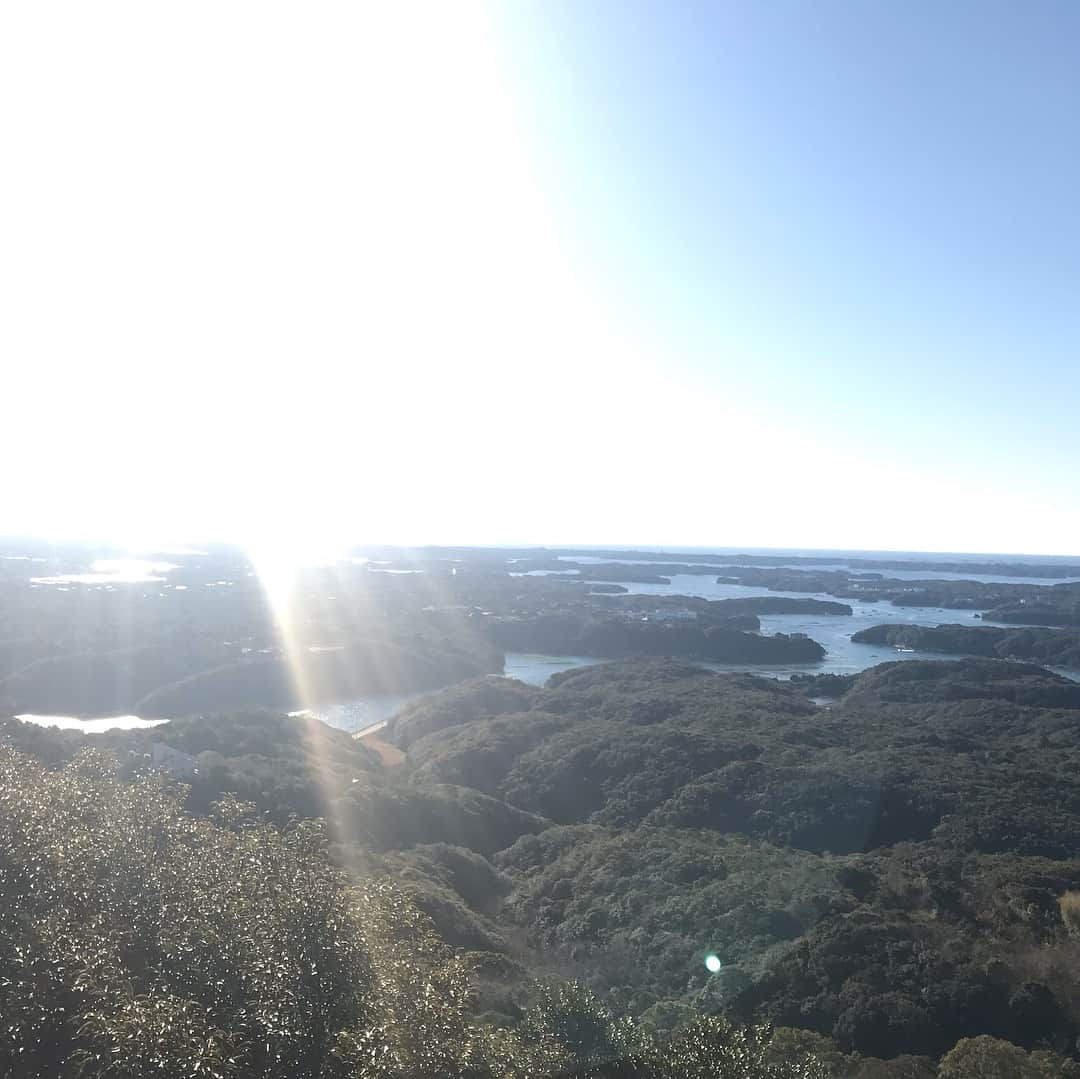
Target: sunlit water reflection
[
  {"x": 91, "y": 726},
  {"x": 114, "y": 571}
]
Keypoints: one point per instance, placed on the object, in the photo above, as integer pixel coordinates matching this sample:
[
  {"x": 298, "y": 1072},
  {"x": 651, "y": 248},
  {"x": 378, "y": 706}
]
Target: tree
[
  {"x": 136, "y": 941},
  {"x": 992, "y": 1058}
]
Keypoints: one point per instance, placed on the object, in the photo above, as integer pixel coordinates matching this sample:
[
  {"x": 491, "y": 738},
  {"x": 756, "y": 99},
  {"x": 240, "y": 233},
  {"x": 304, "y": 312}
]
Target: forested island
[
  {"x": 209, "y": 636},
  {"x": 1057, "y": 609},
  {"x": 1007, "y": 566},
  {"x": 610, "y": 638},
  {"x": 780, "y": 605},
  {"x": 558, "y": 557},
  {"x": 1055, "y": 647},
  {"x": 203, "y": 632}
]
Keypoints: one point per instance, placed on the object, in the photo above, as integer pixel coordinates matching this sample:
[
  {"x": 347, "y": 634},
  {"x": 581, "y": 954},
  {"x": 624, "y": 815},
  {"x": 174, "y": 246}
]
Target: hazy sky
[{"x": 789, "y": 274}]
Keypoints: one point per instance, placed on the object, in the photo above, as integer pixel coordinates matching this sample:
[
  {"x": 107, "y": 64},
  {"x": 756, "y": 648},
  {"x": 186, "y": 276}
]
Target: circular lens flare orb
[{"x": 713, "y": 963}]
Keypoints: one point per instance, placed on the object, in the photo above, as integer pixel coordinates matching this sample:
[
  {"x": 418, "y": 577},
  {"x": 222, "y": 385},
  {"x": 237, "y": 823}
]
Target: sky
[{"x": 719, "y": 274}]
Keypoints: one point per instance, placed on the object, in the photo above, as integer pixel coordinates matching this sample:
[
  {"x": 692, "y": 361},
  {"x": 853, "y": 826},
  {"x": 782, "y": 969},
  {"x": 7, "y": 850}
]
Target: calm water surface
[
  {"x": 362, "y": 714},
  {"x": 833, "y": 632},
  {"x": 114, "y": 571},
  {"x": 537, "y": 669}
]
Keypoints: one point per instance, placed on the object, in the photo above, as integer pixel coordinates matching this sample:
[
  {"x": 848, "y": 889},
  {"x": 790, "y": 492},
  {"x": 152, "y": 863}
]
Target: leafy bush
[
  {"x": 991, "y": 1058},
  {"x": 1069, "y": 904},
  {"x": 138, "y": 941}
]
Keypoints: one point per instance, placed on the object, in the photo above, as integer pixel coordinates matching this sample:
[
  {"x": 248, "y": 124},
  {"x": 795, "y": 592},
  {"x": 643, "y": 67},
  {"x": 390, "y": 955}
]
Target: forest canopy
[{"x": 881, "y": 865}]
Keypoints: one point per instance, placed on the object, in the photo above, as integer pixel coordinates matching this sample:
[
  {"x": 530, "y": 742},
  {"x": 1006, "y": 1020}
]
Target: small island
[
  {"x": 780, "y": 605},
  {"x": 1055, "y": 647},
  {"x": 581, "y": 634}
]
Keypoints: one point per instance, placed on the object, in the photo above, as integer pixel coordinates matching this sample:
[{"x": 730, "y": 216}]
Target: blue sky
[
  {"x": 863, "y": 215},
  {"x": 785, "y": 274}
]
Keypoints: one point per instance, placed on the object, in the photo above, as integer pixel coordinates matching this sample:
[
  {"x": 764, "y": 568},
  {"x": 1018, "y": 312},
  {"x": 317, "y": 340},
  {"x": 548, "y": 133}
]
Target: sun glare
[
  {"x": 345, "y": 363},
  {"x": 341, "y": 295}
]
